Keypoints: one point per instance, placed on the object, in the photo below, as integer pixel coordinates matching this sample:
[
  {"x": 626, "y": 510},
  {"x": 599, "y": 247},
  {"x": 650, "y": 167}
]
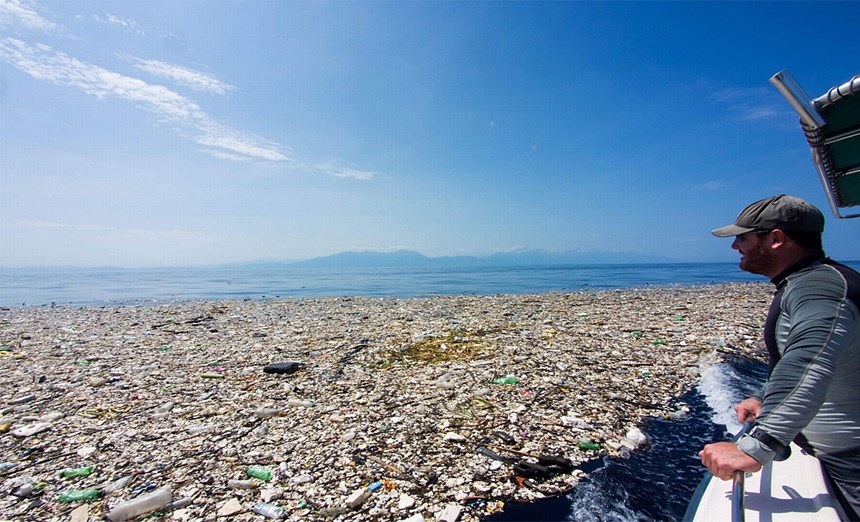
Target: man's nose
[{"x": 735, "y": 244}]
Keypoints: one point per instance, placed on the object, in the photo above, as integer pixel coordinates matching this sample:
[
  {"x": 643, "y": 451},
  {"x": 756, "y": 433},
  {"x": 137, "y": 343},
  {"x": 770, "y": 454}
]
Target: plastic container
[
  {"x": 265, "y": 413},
  {"x": 77, "y": 495},
  {"x": 141, "y": 505},
  {"x": 240, "y": 484},
  {"x": 259, "y": 472},
  {"x": 301, "y": 403},
  {"x": 590, "y": 446},
  {"x": 76, "y": 472},
  {"x": 118, "y": 484},
  {"x": 510, "y": 379},
  {"x": 268, "y": 510}
]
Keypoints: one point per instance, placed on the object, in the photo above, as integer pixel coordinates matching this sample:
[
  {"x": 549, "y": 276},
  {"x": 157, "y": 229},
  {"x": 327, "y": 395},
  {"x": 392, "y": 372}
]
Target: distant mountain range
[{"x": 411, "y": 259}]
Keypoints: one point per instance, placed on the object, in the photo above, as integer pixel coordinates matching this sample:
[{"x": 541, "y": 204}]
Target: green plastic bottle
[
  {"x": 590, "y": 446},
  {"x": 76, "y": 472},
  {"x": 259, "y": 472},
  {"x": 76, "y": 495},
  {"x": 510, "y": 379}
]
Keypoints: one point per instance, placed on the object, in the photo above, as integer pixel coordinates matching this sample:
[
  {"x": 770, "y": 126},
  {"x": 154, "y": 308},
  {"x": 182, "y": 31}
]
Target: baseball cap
[{"x": 787, "y": 213}]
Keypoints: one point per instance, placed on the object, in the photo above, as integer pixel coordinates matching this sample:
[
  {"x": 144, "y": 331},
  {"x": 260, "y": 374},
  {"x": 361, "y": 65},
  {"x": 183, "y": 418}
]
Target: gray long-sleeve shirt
[{"x": 812, "y": 394}]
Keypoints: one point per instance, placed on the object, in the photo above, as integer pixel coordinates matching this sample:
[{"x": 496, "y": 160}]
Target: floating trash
[{"x": 392, "y": 413}]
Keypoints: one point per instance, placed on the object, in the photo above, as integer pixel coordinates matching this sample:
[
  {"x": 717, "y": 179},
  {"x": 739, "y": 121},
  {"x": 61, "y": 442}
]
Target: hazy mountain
[{"x": 408, "y": 258}]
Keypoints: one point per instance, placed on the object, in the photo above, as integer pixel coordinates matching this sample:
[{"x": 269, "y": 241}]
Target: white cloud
[
  {"x": 224, "y": 155},
  {"x": 183, "y": 76},
  {"x": 15, "y": 13},
  {"x": 750, "y": 104},
  {"x": 44, "y": 63},
  {"x": 333, "y": 168}
]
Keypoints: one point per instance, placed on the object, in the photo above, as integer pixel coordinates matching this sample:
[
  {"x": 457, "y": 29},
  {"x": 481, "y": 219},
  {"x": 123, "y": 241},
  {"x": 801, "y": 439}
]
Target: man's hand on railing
[{"x": 724, "y": 458}]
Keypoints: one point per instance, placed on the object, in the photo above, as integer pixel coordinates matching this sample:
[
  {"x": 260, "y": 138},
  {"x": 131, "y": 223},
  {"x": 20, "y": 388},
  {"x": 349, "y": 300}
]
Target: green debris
[{"x": 76, "y": 495}]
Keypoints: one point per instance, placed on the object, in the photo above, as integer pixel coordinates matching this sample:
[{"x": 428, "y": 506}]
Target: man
[{"x": 812, "y": 334}]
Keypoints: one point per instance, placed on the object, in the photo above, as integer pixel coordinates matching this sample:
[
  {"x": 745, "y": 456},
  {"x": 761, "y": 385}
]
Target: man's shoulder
[{"x": 826, "y": 279}]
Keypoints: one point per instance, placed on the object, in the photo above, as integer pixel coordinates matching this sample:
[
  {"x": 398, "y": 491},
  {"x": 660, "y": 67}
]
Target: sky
[{"x": 146, "y": 133}]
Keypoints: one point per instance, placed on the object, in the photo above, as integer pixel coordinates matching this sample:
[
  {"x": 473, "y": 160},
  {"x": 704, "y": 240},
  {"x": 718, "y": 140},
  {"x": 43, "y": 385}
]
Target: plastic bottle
[
  {"x": 259, "y": 472},
  {"x": 510, "y": 379},
  {"x": 76, "y": 472},
  {"x": 590, "y": 446},
  {"x": 298, "y": 402},
  {"x": 76, "y": 495},
  {"x": 268, "y": 510},
  {"x": 265, "y": 413},
  {"x": 240, "y": 484},
  {"x": 140, "y": 505}
]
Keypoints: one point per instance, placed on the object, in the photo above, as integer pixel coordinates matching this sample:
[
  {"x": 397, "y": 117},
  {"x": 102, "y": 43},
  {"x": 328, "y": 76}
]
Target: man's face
[{"x": 756, "y": 255}]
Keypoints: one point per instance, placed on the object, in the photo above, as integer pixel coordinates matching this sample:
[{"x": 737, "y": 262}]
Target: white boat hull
[{"x": 795, "y": 489}]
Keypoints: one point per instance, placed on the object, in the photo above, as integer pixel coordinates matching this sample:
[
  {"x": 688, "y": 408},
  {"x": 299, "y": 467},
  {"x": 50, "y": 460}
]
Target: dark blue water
[
  {"x": 656, "y": 484},
  {"x": 117, "y": 286}
]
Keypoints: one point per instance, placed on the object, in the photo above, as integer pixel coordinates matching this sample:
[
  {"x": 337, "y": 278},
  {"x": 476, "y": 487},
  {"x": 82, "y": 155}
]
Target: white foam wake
[{"x": 722, "y": 388}]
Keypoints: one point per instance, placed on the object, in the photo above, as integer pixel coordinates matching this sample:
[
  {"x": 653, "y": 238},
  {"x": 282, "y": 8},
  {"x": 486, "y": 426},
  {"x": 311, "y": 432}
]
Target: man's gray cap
[{"x": 786, "y": 213}]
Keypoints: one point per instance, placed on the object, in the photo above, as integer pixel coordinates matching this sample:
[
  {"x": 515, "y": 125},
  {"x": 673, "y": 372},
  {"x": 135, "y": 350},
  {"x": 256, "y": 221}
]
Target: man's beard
[{"x": 757, "y": 261}]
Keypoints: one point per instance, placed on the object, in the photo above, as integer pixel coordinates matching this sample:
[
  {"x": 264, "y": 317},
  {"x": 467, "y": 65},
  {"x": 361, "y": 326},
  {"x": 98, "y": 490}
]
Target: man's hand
[
  {"x": 723, "y": 458},
  {"x": 746, "y": 408}
]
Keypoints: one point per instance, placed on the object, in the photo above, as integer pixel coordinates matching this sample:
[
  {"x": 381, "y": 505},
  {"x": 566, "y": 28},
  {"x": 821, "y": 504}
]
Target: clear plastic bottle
[
  {"x": 143, "y": 504},
  {"x": 269, "y": 510}
]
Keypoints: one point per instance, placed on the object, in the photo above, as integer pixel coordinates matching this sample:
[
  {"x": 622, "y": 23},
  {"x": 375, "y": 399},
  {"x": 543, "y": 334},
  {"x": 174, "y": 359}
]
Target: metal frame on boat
[{"x": 831, "y": 124}]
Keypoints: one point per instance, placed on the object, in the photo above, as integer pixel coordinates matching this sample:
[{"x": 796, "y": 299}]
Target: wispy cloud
[
  {"x": 165, "y": 105},
  {"x": 334, "y": 168},
  {"x": 15, "y": 13},
  {"x": 224, "y": 155},
  {"x": 183, "y": 76},
  {"x": 113, "y": 20},
  {"x": 117, "y": 21},
  {"x": 42, "y": 62},
  {"x": 750, "y": 104}
]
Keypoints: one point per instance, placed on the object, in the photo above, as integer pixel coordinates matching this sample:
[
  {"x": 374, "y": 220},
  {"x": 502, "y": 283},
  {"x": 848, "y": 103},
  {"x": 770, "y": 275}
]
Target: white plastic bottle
[{"x": 135, "y": 507}]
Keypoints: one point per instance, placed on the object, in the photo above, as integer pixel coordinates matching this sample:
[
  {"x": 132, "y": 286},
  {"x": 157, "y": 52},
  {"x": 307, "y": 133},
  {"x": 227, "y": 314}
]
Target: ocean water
[
  {"x": 656, "y": 484},
  {"x": 114, "y": 286}
]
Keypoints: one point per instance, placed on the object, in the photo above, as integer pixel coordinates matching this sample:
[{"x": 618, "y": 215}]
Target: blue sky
[{"x": 186, "y": 133}]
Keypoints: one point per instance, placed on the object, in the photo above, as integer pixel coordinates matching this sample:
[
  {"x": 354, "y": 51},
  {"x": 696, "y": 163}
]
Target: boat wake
[{"x": 657, "y": 484}]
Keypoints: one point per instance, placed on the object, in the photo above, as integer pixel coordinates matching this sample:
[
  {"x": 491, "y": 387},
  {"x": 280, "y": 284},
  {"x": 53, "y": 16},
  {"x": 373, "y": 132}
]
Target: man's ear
[{"x": 778, "y": 239}]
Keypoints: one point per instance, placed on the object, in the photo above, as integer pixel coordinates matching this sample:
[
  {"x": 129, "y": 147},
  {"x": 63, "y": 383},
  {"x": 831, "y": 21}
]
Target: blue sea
[{"x": 115, "y": 286}]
